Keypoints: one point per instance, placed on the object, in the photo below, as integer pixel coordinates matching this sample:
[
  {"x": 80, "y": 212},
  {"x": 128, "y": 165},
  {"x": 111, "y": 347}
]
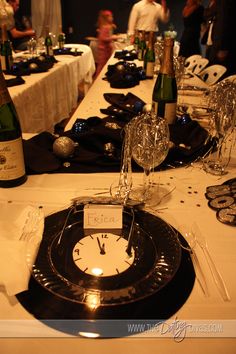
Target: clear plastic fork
[
  {"x": 201, "y": 240},
  {"x": 191, "y": 243}
]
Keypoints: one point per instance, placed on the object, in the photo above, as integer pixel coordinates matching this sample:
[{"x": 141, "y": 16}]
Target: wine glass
[
  {"x": 150, "y": 145},
  {"x": 222, "y": 127}
]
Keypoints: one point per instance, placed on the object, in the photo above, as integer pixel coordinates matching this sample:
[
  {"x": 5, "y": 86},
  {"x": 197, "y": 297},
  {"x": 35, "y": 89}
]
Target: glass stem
[{"x": 146, "y": 183}]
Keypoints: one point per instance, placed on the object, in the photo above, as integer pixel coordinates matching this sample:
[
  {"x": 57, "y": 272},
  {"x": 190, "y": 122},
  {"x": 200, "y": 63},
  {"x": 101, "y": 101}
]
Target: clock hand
[
  {"x": 101, "y": 247},
  {"x": 130, "y": 237}
]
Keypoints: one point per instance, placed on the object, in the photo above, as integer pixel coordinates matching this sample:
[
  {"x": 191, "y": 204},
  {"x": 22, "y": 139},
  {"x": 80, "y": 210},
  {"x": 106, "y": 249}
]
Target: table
[
  {"x": 47, "y": 98},
  {"x": 184, "y": 204}
]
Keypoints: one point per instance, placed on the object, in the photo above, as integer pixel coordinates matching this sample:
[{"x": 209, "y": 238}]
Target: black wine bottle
[
  {"x": 164, "y": 96},
  {"x": 48, "y": 43},
  {"x": 141, "y": 46},
  {"x": 6, "y": 51},
  {"x": 12, "y": 166},
  {"x": 149, "y": 57},
  {"x": 136, "y": 40},
  {"x": 61, "y": 38}
]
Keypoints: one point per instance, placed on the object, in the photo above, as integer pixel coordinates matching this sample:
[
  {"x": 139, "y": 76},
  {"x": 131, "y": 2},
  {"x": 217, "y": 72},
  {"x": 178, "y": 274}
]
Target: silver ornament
[{"x": 63, "y": 147}]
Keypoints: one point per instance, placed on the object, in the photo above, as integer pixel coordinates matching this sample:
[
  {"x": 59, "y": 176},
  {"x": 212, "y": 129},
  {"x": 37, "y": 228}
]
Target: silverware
[
  {"x": 201, "y": 240},
  {"x": 191, "y": 243}
]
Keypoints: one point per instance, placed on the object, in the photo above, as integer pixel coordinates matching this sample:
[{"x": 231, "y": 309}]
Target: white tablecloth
[
  {"x": 185, "y": 204},
  {"x": 47, "y": 98}
]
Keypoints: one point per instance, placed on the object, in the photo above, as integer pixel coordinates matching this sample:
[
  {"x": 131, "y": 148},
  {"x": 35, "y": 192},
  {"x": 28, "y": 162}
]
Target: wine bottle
[
  {"x": 6, "y": 51},
  {"x": 48, "y": 43},
  {"x": 136, "y": 40},
  {"x": 61, "y": 38},
  {"x": 164, "y": 96},
  {"x": 149, "y": 57},
  {"x": 141, "y": 46},
  {"x": 12, "y": 166}
]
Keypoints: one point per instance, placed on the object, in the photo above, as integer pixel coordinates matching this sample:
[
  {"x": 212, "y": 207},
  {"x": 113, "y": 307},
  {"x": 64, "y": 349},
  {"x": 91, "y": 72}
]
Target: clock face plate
[{"x": 93, "y": 269}]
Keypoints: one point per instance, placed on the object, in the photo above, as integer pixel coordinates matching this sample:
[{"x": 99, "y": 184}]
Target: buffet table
[
  {"x": 213, "y": 320},
  {"x": 49, "y": 97}
]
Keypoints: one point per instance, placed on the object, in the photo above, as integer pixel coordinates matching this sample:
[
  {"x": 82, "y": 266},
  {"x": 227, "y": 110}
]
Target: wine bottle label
[
  {"x": 150, "y": 69},
  {"x": 4, "y": 94},
  {"x": 11, "y": 160},
  {"x": 49, "y": 50},
  {"x": 165, "y": 110}
]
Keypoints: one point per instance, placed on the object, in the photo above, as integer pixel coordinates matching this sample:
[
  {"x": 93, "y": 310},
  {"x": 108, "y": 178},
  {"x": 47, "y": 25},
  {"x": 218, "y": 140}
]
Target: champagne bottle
[
  {"x": 48, "y": 43},
  {"x": 6, "y": 50},
  {"x": 164, "y": 96},
  {"x": 149, "y": 57},
  {"x": 12, "y": 166},
  {"x": 141, "y": 46},
  {"x": 61, "y": 38},
  {"x": 136, "y": 40}
]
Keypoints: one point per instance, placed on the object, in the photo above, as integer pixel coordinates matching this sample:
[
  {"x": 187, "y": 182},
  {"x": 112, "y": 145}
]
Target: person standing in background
[
  {"x": 20, "y": 33},
  {"x": 145, "y": 15},
  {"x": 105, "y": 37},
  {"x": 223, "y": 49},
  {"x": 209, "y": 16},
  {"x": 192, "y": 17}
]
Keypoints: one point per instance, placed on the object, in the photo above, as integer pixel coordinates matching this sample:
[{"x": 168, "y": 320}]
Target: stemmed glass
[
  {"x": 150, "y": 145},
  {"x": 223, "y": 103}
]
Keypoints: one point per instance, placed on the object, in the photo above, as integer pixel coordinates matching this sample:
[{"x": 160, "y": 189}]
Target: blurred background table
[{"x": 49, "y": 97}]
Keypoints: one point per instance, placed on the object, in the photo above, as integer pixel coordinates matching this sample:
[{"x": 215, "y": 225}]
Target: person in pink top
[{"x": 105, "y": 37}]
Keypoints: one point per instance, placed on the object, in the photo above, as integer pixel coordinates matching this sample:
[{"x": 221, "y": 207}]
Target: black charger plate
[{"x": 49, "y": 298}]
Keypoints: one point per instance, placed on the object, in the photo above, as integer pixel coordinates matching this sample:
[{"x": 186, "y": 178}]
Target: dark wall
[{"x": 82, "y": 17}]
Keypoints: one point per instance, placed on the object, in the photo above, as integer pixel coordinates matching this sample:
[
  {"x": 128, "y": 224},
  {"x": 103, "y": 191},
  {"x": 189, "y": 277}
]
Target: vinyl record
[{"x": 154, "y": 285}]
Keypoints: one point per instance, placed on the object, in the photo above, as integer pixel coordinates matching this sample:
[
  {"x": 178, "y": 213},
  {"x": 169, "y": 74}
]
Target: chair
[
  {"x": 200, "y": 65},
  {"x": 230, "y": 78},
  {"x": 212, "y": 73},
  {"x": 191, "y": 62}
]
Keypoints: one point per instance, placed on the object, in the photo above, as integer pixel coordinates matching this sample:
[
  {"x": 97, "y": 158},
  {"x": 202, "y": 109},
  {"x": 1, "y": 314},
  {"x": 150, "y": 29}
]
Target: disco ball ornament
[
  {"x": 63, "y": 147},
  {"x": 33, "y": 66}
]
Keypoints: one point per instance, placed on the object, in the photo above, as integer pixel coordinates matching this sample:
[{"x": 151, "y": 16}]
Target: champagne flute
[{"x": 150, "y": 145}]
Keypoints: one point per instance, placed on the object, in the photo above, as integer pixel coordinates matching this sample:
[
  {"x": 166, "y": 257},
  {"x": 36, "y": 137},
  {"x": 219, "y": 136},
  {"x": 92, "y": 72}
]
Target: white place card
[{"x": 99, "y": 216}]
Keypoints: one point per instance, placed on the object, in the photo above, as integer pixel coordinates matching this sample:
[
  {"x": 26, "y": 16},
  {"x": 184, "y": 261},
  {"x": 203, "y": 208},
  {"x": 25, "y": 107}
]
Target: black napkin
[
  {"x": 124, "y": 75},
  {"x": 128, "y": 55},
  {"x": 190, "y": 141},
  {"x": 66, "y": 51},
  {"x": 123, "y": 107},
  {"x": 91, "y": 154},
  {"x": 38, "y": 64},
  {"x": 18, "y": 80}
]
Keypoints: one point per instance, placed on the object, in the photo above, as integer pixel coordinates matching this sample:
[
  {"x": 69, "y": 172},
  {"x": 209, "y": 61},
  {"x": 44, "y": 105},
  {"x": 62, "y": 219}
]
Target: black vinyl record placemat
[{"x": 159, "y": 301}]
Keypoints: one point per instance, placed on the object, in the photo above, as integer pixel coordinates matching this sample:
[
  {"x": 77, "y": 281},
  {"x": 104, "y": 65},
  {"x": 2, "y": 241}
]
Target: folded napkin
[
  {"x": 89, "y": 156},
  {"x": 67, "y": 51},
  {"x": 124, "y": 74},
  {"x": 19, "y": 243},
  {"x": 39, "y": 64},
  {"x": 123, "y": 107},
  {"x": 15, "y": 81},
  {"x": 99, "y": 147},
  {"x": 125, "y": 54}
]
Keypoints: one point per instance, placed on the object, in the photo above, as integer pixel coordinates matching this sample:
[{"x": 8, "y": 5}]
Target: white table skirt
[{"x": 47, "y": 98}]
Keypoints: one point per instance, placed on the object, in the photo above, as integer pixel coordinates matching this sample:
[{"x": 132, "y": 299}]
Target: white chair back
[
  {"x": 201, "y": 64},
  {"x": 231, "y": 78},
  {"x": 191, "y": 62},
  {"x": 211, "y": 74}
]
